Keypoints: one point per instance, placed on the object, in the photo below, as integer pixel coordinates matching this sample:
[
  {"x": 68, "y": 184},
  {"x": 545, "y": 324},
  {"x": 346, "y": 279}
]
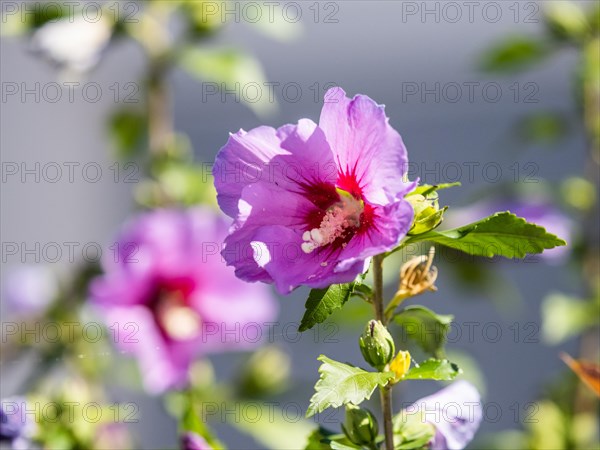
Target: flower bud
[
  {"x": 376, "y": 345},
  {"x": 267, "y": 372},
  {"x": 360, "y": 426},
  {"x": 427, "y": 213}
]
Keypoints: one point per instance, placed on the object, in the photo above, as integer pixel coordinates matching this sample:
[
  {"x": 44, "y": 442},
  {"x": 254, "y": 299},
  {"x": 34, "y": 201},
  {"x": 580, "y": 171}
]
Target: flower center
[
  {"x": 172, "y": 312},
  {"x": 339, "y": 220},
  {"x": 179, "y": 321}
]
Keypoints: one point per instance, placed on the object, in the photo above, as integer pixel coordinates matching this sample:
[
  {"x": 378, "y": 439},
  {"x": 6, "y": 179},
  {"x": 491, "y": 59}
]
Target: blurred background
[{"x": 490, "y": 94}]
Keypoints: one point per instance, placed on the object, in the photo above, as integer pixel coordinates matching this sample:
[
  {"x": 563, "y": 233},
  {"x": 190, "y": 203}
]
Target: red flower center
[{"x": 341, "y": 213}]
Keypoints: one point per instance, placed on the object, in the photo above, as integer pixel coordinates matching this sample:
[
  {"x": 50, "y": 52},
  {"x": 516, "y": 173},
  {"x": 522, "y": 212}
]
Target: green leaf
[
  {"x": 343, "y": 445},
  {"x": 426, "y": 189},
  {"x": 501, "y": 234},
  {"x": 319, "y": 440},
  {"x": 433, "y": 369},
  {"x": 425, "y": 327},
  {"x": 567, "y": 21},
  {"x": 362, "y": 290},
  {"x": 411, "y": 431},
  {"x": 127, "y": 131},
  {"x": 190, "y": 421},
  {"x": 322, "y": 302},
  {"x": 276, "y": 27},
  {"x": 232, "y": 70},
  {"x": 342, "y": 383},
  {"x": 515, "y": 53},
  {"x": 542, "y": 128},
  {"x": 187, "y": 183},
  {"x": 322, "y": 439}
]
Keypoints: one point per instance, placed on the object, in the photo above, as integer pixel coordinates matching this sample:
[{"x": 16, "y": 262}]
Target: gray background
[{"x": 370, "y": 50}]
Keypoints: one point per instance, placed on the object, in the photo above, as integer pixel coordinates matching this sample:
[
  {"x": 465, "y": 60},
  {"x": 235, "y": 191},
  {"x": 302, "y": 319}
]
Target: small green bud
[
  {"x": 360, "y": 425},
  {"x": 428, "y": 214},
  {"x": 376, "y": 345},
  {"x": 267, "y": 372}
]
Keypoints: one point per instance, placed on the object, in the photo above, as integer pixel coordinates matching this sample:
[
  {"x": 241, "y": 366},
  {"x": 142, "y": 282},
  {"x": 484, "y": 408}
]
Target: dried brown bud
[{"x": 417, "y": 275}]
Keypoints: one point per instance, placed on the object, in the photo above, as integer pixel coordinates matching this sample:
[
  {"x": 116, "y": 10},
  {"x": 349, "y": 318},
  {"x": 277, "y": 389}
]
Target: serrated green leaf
[
  {"x": 501, "y": 234},
  {"x": 515, "y": 53},
  {"x": 425, "y": 327},
  {"x": 342, "y": 383},
  {"x": 322, "y": 302},
  {"x": 433, "y": 369}
]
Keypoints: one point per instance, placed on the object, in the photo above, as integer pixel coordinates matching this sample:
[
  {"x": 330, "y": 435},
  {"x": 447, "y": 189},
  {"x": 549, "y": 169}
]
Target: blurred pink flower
[
  {"x": 167, "y": 296},
  {"x": 455, "y": 412}
]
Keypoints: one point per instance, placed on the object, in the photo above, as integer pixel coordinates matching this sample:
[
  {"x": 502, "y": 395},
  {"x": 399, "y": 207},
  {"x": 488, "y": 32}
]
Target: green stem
[
  {"x": 378, "y": 287},
  {"x": 391, "y": 307},
  {"x": 160, "y": 126},
  {"x": 386, "y": 392}
]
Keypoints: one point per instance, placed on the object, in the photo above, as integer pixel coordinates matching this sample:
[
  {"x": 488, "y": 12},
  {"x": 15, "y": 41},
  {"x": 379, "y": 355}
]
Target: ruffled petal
[
  {"x": 285, "y": 157},
  {"x": 241, "y": 162},
  {"x": 281, "y": 255},
  {"x": 367, "y": 149},
  {"x": 287, "y": 197}
]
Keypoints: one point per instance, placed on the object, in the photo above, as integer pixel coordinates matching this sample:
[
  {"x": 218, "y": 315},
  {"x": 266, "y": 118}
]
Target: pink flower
[
  {"x": 312, "y": 203},
  {"x": 167, "y": 296}
]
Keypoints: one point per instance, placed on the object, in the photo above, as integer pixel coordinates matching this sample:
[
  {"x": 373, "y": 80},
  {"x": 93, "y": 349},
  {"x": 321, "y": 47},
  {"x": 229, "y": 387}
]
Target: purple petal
[
  {"x": 279, "y": 252},
  {"x": 283, "y": 157},
  {"x": 241, "y": 162},
  {"x": 280, "y": 199},
  {"x": 365, "y": 145}
]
